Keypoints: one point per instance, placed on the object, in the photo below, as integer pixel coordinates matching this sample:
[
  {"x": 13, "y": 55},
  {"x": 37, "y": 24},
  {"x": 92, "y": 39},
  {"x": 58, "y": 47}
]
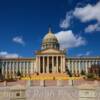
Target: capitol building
[
  {"x": 51, "y": 75},
  {"x": 50, "y": 59}
]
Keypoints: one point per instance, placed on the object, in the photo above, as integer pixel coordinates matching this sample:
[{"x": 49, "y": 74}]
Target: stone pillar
[
  {"x": 24, "y": 65},
  {"x": 13, "y": 68},
  {"x": 10, "y": 70},
  {"x": 57, "y": 63},
  {"x": 86, "y": 67},
  {"x": 61, "y": 65},
  {"x": 96, "y": 62},
  {"x": 43, "y": 65},
  {"x": 47, "y": 64},
  {"x": 72, "y": 66},
  {"x": 64, "y": 64},
  {"x": 32, "y": 67},
  {"x": 2, "y": 67},
  {"x": 89, "y": 64},
  {"x": 16, "y": 66},
  {"x": 76, "y": 67},
  {"x": 69, "y": 65},
  {"x": 27, "y": 67},
  {"x": 36, "y": 67},
  {"x": 82, "y": 65},
  {"x": 6, "y": 69},
  {"x": 52, "y": 63},
  {"x": 19, "y": 65},
  {"x": 79, "y": 63},
  {"x": 39, "y": 64}
]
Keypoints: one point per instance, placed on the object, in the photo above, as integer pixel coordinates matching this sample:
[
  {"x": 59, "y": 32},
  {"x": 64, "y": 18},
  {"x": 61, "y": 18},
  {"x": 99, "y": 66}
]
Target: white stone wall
[{"x": 53, "y": 93}]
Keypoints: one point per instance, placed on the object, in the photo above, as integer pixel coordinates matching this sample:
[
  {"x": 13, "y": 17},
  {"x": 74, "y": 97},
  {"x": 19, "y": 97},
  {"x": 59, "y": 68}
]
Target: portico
[{"x": 50, "y": 63}]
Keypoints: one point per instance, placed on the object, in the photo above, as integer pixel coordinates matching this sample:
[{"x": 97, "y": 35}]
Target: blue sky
[{"x": 23, "y": 24}]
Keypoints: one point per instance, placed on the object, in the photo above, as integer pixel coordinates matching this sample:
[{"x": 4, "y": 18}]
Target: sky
[{"x": 24, "y": 23}]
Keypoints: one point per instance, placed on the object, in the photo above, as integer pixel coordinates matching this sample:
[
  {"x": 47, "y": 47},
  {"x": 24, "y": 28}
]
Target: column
[
  {"x": 92, "y": 62},
  {"x": 27, "y": 68},
  {"x": 57, "y": 63},
  {"x": 72, "y": 66},
  {"x": 69, "y": 65},
  {"x": 24, "y": 65},
  {"x": 75, "y": 67},
  {"x": 36, "y": 66},
  {"x": 2, "y": 67},
  {"x": 16, "y": 66},
  {"x": 39, "y": 64},
  {"x": 43, "y": 65},
  {"x": 32, "y": 67},
  {"x": 89, "y": 64},
  {"x": 86, "y": 67},
  {"x": 6, "y": 69},
  {"x": 47, "y": 64},
  {"x": 96, "y": 62},
  {"x": 63, "y": 63},
  {"x": 82, "y": 65},
  {"x": 10, "y": 71},
  {"x": 13, "y": 69},
  {"x": 52, "y": 63},
  {"x": 61, "y": 66},
  {"x": 20, "y": 67},
  {"x": 79, "y": 64}
]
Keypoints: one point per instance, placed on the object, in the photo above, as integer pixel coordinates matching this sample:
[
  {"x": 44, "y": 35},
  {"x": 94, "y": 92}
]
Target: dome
[{"x": 50, "y": 41}]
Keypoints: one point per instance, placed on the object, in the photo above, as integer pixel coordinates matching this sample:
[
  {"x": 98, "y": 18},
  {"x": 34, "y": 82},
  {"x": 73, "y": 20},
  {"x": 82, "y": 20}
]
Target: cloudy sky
[{"x": 23, "y": 24}]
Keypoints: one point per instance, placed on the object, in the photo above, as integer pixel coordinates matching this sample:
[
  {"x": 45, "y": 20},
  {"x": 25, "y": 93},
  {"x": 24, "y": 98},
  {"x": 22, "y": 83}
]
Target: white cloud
[
  {"x": 65, "y": 23},
  {"x": 88, "y": 13},
  {"x": 88, "y": 53},
  {"x": 19, "y": 39},
  {"x": 68, "y": 40},
  {"x": 92, "y": 28},
  {"x": 5, "y": 54}
]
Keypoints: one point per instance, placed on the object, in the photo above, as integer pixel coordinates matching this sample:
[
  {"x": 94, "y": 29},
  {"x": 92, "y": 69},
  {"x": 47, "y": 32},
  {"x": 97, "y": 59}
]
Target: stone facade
[{"x": 50, "y": 93}]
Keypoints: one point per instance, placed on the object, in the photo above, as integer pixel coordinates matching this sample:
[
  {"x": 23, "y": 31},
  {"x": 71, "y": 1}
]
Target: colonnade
[
  {"x": 11, "y": 68},
  {"x": 50, "y": 63},
  {"x": 46, "y": 64},
  {"x": 77, "y": 65}
]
